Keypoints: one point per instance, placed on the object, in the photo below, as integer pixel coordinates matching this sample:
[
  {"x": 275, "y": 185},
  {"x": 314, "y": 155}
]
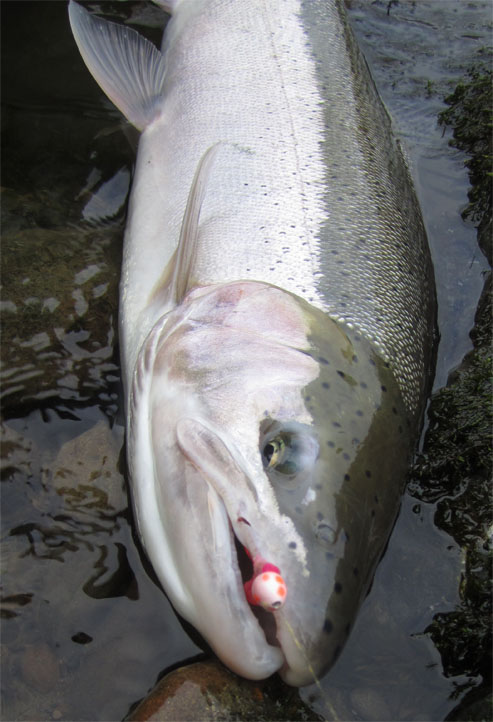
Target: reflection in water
[
  {"x": 74, "y": 590},
  {"x": 109, "y": 581},
  {"x": 75, "y": 593}
]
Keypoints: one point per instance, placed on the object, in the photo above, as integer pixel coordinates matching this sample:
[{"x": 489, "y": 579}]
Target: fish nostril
[{"x": 325, "y": 533}]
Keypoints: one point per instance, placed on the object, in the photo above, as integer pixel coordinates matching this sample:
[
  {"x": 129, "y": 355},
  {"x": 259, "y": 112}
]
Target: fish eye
[
  {"x": 289, "y": 449},
  {"x": 271, "y": 453},
  {"x": 280, "y": 454}
]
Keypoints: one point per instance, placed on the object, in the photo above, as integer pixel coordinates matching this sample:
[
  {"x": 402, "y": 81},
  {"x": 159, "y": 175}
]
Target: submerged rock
[
  {"x": 208, "y": 691},
  {"x": 59, "y": 304}
]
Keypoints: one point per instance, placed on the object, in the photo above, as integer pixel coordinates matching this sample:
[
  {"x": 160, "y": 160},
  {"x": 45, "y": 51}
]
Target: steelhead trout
[{"x": 277, "y": 320}]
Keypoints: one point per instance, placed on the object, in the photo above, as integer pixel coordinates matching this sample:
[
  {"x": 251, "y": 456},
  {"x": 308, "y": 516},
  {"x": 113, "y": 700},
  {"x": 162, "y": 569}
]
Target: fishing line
[{"x": 323, "y": 694}]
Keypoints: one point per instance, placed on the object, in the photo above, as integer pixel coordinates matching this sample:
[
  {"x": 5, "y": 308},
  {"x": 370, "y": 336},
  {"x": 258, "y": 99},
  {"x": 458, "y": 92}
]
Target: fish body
[{"x": 277, "y": 317}]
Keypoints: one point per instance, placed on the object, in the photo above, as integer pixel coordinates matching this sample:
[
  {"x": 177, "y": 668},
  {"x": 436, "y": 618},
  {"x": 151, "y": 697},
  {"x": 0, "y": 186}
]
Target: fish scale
[{"x": 376, "y": 270}]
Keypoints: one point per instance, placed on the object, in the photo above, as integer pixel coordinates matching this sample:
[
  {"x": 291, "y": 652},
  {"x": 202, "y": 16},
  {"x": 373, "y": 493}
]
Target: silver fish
[{"x": 277, "y": 317}]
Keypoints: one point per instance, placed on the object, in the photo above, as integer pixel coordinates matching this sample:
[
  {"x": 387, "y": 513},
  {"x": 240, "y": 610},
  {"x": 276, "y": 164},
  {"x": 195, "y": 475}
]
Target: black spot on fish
[
  {"x": 328, "y": 626},
  {"x": 359, "y": 412},
  {"x": 372, "y": 362},
  {"x": 342, "y": 374},
  {"x": 346, "y": 457},
  {"x": 298, "y": 509},
  {"x": 347, "y": 477},
  {"x": 325, "y": 385},
  {"x": 323, "y": 360},
  {"x": 320, "y": 516},
  {"x": 292, "y": 545},
  {"x": 356, "y": 571},
  {"x": 384, "y": 388},
  {"x": 308, "y": 398},
  {"x": 372, "y": 513},
  {"x": 363, "y": 385},
  {"x": 336, "y": 424},
  {"x": 376, "y": 499},
  {"x": 355, "y": 358},
  {"x": 355, "y": 441},
  {"x": 394, "y": 410},
  {"x": 337, "y": 587},
  {"x": 330, "y": 444},
  {"x": 368, "y": 474}
]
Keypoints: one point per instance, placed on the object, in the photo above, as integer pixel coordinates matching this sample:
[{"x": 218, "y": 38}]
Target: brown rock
[
  {"x": 207, "y": 691},
  {"x": 40, "y": 667},
  {"x": 202, "y": 691}
]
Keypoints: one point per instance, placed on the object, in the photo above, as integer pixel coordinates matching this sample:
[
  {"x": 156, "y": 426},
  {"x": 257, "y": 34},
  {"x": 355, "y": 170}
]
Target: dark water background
[{"x": 85, "y": 628}]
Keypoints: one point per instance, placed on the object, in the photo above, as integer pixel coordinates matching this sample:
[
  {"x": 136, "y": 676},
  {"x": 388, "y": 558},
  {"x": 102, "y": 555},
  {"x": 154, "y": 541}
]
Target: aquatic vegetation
[
  {"x": 471, "y": 116},
  {"x": 456, "y": 467}
]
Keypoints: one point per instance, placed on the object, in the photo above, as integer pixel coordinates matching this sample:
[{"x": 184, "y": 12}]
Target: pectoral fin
[{"x": 187, "y": 245}]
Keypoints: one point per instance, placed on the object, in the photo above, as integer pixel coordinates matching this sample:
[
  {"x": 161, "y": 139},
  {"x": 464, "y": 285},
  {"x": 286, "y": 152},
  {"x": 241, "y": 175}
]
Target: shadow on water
[{"x": 85, "y": 629}]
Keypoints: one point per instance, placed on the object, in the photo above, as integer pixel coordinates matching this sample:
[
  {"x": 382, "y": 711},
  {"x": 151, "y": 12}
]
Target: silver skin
[{"x": 277, "y": 317}]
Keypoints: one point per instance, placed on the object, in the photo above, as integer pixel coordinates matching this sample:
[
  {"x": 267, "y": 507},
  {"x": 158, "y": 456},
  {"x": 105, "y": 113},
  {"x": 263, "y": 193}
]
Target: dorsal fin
[
  {"x": 126, "y": 65},
  {"x": 187, "y": 244}
]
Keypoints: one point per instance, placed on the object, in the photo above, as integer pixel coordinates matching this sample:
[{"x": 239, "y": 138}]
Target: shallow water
[{"x": 85, "y": 628}]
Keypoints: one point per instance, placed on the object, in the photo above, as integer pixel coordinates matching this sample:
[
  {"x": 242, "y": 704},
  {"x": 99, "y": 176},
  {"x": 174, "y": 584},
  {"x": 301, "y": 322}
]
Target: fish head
[{"x": 260, "y": 425}]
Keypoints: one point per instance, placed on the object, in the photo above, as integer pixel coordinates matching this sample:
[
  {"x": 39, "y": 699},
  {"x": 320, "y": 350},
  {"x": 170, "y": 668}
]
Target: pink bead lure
[{"x": 266, "y": 588}]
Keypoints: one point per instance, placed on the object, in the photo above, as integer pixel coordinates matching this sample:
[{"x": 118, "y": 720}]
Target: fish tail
[{"x": 128, "y": 67}]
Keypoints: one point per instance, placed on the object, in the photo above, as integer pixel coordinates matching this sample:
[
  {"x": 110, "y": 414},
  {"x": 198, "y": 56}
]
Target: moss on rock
[{"x": 455, "y": 469}]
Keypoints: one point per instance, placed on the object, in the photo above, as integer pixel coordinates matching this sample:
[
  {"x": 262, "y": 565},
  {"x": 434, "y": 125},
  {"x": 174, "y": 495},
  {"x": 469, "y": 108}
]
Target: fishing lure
[{"x": 266, "y": 588}]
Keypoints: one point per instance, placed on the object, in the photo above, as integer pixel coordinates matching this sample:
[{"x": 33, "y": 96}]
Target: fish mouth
[
  {"x": 265, "y": 618},
  {"x": 211, "y": 457}
]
